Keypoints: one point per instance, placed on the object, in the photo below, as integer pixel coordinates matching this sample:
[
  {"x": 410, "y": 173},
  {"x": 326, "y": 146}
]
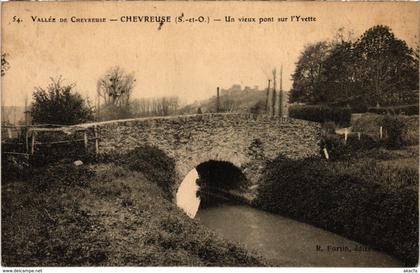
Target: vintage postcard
[{"x": 209, "y": 133}]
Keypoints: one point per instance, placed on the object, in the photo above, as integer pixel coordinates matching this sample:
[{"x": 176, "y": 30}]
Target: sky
[{"x": 188, "y": 60}]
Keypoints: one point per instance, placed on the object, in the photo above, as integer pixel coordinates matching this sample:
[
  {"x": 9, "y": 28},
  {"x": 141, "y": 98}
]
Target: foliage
[
  {"x": 319, "y": 113},
  {"x": 357, "y": 103},
  {"x": 58, "y": 104},
  {"x": 337, "y": 149},
  {"x": 369, "y": 124},
  {"x": 394, "y": 130},
  {"x": 258, "y": 108},
  {"x": 366, "y": 202},
  {"x": 377, "y": 68},
  {"x": 14, "y": 167},
  {"x": 309, "y": 74},
  {"x": 114, "y": 112},
  {"x": 155, "y": 165},
  {"x": 409, "y": 110},
  {"x": 387, "y": 68},
  {"x": 81, "y": 220}
]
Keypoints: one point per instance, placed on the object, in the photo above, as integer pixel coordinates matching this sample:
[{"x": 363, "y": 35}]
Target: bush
[
  {"x": 337, "y": 149},
  {"x": 394, "y": 130},
  {"x": 370, "y": 123},
  {"x": 409, "y": 110},
  {"x": 155, "y": 165},
  {"x": 58, "y": 104},
  {"x": 357, "y": 104},
  {"x": 57, "y": 176},
  {"x": 371, "y": 204},
  {"x": 14, "y": 167},
  {"x": 319, "y": 113},
  {"x": 329, "y": 127}
]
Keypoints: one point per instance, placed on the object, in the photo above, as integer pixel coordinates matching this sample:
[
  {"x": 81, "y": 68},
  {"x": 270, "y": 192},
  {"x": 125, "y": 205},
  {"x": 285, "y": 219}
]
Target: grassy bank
[
  {"x": 104, "y": 214},
  {"x": 365, "y": 200}
]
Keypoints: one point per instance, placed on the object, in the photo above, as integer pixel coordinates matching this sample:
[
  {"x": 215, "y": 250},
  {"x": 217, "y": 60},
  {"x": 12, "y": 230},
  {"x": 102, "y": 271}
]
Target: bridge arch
[
  {"x": 185, "y": 164},
  {"x": 207, "y": 182}
]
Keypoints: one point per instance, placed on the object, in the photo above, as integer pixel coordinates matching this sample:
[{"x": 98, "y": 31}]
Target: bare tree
[
  {"x": 116, "y": 86},
  {"x": 163, "y": 106}
]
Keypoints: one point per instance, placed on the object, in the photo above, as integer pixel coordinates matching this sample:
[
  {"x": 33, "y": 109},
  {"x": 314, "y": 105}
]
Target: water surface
[{"x": 282, "y": 240}]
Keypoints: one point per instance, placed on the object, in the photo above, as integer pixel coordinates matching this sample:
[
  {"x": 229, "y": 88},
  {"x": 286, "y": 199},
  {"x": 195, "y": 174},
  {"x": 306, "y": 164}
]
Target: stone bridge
[{"x": 246, "y": 140}]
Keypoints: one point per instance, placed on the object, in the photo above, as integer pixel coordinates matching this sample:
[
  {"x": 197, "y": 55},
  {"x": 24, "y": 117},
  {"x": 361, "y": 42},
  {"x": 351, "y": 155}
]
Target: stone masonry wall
[{"x": 243, "y": 139}]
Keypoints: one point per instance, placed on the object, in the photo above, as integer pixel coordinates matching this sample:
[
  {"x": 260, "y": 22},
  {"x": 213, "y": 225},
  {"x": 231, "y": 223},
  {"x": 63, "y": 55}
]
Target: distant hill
[{"x": 233, "y": 99}]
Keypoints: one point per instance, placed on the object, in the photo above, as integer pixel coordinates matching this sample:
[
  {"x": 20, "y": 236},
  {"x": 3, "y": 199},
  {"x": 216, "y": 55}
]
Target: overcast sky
[{"x": 186, "y": 60}]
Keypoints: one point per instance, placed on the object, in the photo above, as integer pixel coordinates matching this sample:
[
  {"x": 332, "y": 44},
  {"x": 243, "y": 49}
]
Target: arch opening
[{"x": 207, "y": 184}]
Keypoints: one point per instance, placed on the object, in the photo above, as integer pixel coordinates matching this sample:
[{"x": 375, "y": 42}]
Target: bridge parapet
[{"x": 246, "y": 140}]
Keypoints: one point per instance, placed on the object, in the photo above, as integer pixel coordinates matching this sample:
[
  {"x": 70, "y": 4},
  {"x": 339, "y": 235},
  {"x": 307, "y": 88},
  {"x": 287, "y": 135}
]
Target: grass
[
  {"x": 369, "y": 123},
  {"x": 104, "y": 215}
]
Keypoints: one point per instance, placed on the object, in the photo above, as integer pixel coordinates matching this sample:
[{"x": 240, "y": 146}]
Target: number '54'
[{"x": 16, "y": 19}]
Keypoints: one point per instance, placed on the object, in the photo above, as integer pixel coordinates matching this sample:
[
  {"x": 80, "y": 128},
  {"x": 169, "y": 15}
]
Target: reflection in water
[{"x": 186, "y": 196}]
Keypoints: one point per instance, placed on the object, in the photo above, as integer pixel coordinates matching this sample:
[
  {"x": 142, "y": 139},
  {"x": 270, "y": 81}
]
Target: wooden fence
[{"x": 25, "y": 138}]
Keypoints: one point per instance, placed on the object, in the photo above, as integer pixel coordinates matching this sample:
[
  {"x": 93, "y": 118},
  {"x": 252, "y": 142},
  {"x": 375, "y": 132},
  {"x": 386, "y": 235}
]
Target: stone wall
[{"x": 242, "y": 139}]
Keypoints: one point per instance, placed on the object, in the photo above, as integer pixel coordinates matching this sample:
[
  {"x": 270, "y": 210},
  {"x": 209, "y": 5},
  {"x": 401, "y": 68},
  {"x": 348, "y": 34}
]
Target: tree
[
  {"x": 116, "y": 86},
  {"x": 163, "y": 106},
  {"x": 308, "y": 75},
  {"x": 340, "y": 84},
  {"x": 375, "y": 69},
  {"x": 385, "y": 66},
  {"x": 59, "y": 104}
]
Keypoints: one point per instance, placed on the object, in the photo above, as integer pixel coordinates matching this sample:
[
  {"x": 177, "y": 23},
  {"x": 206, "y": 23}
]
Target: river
[{"x": 279, "y": 239}]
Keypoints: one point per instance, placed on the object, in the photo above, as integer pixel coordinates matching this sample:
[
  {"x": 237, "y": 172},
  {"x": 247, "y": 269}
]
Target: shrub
[
  {"x": 366, "y": 202},
  {"x": 319, "y": 113},
  {"x": 357, "y": 104},
  {"x": 361, "y": 107},
  {"x": 14, "y": 167},
  {"x": 154, "y": 164},
  {"x": 394, "y": 129},
  {"x": 258, "y": 108},
  {"x": 329, "y": 127},
  {"x": 409, "y": 110},
  {"x": 58, "y": 104},
  {"x": 338, "y": 149},
  {"x": 59, "y": 175},
  {"x": 370, "y": 123}
]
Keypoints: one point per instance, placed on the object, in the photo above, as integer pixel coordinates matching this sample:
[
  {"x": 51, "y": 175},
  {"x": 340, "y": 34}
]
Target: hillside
[{"x": 234, "y": 99}]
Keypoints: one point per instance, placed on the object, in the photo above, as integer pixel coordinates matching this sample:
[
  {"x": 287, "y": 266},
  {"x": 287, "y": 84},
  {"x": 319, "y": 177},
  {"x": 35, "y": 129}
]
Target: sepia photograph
[{"x": 209, "y": 134}]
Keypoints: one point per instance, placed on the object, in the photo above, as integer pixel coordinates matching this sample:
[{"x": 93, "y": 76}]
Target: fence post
[
  {"x": 33, "y": 142},
  {"x": 358, "y": 135},
  {"x": 27, "y": 139},
  {"x": 380, "y": 132},
  {"x": 96, "y": 140},
  {"x": 345, "y": 135},
  {"x": 86, "y": 141},
  {"x": 326, "y": 153}
]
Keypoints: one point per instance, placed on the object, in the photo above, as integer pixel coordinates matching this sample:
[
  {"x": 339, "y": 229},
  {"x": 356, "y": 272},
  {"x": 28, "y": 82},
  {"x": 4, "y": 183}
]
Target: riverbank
[
  {"x": 105, "y": 215},
  {"x": 371, "y": 198}
]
